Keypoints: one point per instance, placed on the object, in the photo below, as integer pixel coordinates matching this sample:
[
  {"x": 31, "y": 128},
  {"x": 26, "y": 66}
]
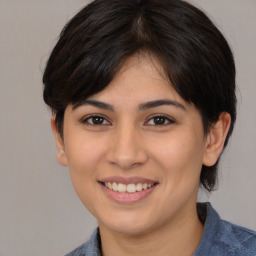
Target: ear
[
  {"x": 62, "y": 158},
  {"x": 216, "y": 138}
]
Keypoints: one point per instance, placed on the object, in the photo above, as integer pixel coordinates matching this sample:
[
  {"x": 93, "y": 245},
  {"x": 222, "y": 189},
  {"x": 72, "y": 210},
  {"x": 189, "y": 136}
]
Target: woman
[{"x": 143, "y": 101}]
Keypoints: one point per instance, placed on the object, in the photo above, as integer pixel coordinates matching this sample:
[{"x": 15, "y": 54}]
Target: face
[{"x": 135, "y": 151}]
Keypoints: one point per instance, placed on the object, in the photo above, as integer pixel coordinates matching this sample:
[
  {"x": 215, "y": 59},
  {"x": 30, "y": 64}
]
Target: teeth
[
  {"x": 121, "y": 188},
  {"x": 114, "y": 186},
  {"x": 139, "y": 187},
  {"x": 109, "y": 185},
  {"x": 145, "y": 186},
  {"x": 130, "y": 188}
]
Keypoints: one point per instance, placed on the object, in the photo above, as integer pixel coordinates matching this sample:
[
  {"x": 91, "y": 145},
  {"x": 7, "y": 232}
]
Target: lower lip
[{"x": 127, "y": 198}]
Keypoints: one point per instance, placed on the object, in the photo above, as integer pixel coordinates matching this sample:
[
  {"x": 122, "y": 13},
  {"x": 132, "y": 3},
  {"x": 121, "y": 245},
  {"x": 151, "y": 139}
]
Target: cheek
[
  {"x": 84, "y": 157},
  {"x": 83, "y": 153},
  {"x": 179, "y": 155}
]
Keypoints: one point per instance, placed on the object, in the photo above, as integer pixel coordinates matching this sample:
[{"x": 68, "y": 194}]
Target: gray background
[{"x": 39, "y": 211}]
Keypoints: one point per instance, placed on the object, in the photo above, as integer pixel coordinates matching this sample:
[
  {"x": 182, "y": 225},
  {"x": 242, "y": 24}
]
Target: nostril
[{"x": 127, "y": 159}]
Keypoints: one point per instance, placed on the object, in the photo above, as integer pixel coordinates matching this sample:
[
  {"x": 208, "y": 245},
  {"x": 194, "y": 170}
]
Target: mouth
[{"x": 128, "y": 188}]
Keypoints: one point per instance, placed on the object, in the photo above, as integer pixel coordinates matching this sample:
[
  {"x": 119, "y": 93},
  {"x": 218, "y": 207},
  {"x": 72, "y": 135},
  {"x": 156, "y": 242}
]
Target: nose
[{"x": 127, "y": 149}]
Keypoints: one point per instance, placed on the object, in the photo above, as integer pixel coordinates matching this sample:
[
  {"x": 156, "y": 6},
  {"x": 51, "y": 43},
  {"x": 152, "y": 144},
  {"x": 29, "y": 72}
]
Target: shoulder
[
  {"x": 237, "y": 238},
  {"x": 90, "y": 248},
  {"x": 79, "y": 251},
  {"x": 221, "y": 237}
]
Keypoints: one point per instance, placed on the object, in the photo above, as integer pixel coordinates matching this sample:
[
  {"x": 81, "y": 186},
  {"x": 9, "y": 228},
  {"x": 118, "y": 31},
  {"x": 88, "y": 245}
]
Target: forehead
[{"x": 140, "y": 78}]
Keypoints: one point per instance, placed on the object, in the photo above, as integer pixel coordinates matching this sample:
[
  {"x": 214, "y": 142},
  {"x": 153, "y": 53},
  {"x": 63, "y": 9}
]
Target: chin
[
  {"x": 128, "y": 225},
  {"x": 130, "y": 230}
]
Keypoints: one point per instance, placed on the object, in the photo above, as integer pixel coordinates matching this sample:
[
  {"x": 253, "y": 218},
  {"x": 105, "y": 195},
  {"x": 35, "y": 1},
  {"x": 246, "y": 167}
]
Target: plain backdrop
[{"x": 39, "y": 211}]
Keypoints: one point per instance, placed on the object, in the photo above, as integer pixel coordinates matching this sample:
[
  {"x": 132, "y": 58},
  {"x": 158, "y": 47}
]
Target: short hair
[{"x": 195, "y": 57}]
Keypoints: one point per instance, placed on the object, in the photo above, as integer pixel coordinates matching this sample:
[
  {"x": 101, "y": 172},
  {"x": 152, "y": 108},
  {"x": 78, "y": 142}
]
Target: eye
[
  {"x": 95, "y": 120},
  {"x": 159, "y": 120}
]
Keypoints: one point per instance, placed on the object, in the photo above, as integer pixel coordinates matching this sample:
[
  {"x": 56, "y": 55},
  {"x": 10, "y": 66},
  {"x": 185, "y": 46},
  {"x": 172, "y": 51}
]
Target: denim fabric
[
  {"x": 220, "y": 238},
  {"x": 90, "y": 248}
]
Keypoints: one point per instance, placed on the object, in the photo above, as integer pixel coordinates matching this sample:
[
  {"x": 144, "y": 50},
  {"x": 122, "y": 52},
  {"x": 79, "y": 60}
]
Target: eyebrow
[
  {"x": 95, "y": 103},
  {"x": 142, "y": 106},
  {"x": 158, "y": 103}
]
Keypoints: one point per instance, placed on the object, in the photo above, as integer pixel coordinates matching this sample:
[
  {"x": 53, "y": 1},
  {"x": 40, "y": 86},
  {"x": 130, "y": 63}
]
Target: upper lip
[{"x": 127, "y": 180}]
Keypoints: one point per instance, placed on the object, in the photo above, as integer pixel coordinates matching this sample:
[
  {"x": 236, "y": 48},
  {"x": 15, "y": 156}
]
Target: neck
[{"x": 181, "y": 238}]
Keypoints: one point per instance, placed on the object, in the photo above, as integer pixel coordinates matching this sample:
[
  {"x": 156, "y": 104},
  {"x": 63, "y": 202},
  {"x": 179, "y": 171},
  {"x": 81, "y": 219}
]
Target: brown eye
[
  {"x": 96, "y": 120},
  {"x": 159, "y": 121}
]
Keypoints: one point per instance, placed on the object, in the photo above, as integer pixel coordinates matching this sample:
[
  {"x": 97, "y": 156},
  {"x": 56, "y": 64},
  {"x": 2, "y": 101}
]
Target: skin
[{"x": 129, "y": 142}]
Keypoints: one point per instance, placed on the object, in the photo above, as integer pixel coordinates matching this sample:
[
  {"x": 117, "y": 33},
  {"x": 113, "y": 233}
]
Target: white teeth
[
  {"x": 145, "y": 186},
  {"x": 114, "y": 186},
  {"x": 121, "y": 188},
  {"x": 130, "y": 188},
  {"x": 109, "y": 185},
  {"x": 139, "y": 187}
]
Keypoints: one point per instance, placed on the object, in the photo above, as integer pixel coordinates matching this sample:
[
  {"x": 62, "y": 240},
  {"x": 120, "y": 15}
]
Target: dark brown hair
[{"x": 193, "y": 53}]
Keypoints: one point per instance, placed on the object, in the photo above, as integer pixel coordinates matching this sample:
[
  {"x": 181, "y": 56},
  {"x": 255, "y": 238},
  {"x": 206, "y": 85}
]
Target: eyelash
[
  {"x": 163, "y": 117},
  {"x": 86, "y": 120},
  {"x": 105, "y": 122}
]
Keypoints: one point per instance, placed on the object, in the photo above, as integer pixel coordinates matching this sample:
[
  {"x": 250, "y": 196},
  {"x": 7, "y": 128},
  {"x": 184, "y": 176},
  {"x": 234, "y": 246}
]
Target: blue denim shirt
[{"x": 220, "y": 238}]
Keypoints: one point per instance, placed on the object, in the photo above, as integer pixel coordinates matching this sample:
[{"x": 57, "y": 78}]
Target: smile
[
  {"x": 129, "y": 188},
  {"x": 126, "y": 190}
]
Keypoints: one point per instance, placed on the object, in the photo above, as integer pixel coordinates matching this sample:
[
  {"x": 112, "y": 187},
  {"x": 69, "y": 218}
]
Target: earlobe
[
  {"x": 216, "y": 138},
  {"x": 62, "y": 159}
]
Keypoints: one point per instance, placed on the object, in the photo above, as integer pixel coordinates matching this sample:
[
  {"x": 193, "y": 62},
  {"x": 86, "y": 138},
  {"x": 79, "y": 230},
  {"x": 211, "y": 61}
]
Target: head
[{"x": 192, "y": 54}]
